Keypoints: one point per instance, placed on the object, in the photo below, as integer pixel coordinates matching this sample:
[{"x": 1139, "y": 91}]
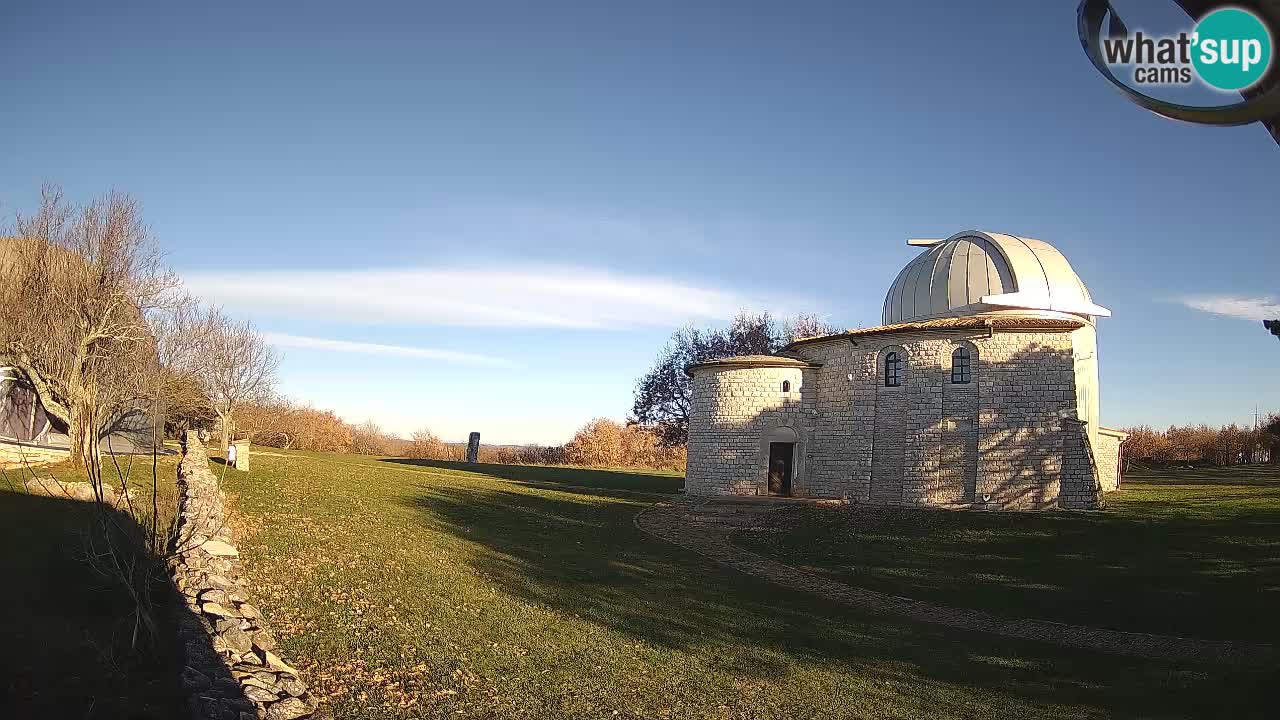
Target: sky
[{"x": 491, "y": 216}]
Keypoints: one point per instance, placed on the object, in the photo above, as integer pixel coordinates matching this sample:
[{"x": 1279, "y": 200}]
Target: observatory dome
[{"x": 976, "y": 273}]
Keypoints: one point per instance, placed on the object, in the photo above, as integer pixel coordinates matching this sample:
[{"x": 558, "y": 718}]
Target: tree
[
  {"x": 180, "y": 332},
  {"x": 1271, "y": 437},
  {"x": 424, "y": 445},
  {"x": 1273, "y": 326},
  {"x": 79, "y": 284},
  {"x": 368, "y": 438},
  {"x": 664, "y": 394},
  {"x": 239, "y": 366},
  {"x": 599, "y": 443},
  {"x": 606, "y": 443}
]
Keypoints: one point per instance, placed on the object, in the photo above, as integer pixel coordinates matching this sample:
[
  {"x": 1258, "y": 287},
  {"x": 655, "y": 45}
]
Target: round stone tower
[{"x": 745, "y": 430}]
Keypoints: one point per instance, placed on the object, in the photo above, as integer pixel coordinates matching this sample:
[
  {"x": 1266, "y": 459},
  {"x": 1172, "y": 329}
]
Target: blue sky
[{"x": 490, "y": 216}]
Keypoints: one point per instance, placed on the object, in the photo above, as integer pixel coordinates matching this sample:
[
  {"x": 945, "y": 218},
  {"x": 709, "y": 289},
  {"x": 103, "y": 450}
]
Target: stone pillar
[
  {"x": 242, "y": 455},
  {"x": 473, "y": 447}
]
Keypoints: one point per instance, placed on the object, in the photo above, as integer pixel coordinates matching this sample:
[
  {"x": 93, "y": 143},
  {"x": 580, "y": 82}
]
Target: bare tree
[
  {"x": 805, "y": 326},
  {"x": 238, "y": 367},
  {"x": 425, "y": 445},
  {"x": 80, "y": 282},
  {"x": 368, "y": 438}
]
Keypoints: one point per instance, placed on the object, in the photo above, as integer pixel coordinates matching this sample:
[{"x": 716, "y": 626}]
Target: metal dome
[{"x": 973, "y": 273}]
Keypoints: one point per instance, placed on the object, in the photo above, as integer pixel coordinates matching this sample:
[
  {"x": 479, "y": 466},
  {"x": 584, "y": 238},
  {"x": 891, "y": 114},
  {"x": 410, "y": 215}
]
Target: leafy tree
[
  {"x": 1273, "y": 326},
  {"x": 664, "y": 394}
]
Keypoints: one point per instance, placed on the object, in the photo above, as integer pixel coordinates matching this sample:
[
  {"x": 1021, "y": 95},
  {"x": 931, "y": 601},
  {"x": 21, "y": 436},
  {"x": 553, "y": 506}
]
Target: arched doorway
[{"x": 781, "y": 468}]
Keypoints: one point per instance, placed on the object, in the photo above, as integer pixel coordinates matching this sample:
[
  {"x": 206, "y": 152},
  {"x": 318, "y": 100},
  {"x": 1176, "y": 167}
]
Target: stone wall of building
[
  {"x": 1080, "y": 488},
  {"x": 735, "y": 410},
  {"x": 1026, "y": 384},
  {"x": 1008, "y": 439},
  {"x": 239, "y": 677},
  {"x": 1108, "y": 454}
]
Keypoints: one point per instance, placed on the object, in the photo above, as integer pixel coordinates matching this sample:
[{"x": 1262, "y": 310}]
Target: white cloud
[
  {"x": 547, "y": 296},
  {"x": 1245, "y": 308},
  {"x": 315, "y": 343}
]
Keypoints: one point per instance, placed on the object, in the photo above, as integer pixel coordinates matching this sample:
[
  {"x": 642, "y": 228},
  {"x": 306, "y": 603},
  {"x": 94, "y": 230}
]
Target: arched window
[
  {"x": 786, "y": 386},
  {"x": 961, "y": 366},
  {"x": 892, "y": 369}
]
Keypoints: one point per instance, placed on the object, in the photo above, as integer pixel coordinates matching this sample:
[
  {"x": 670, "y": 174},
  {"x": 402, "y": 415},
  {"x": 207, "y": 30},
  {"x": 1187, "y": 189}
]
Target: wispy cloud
[
  {"x": 531, "y": 296},
  {"x": 315, "y": 343},
  {"x": 1245, "y": 308}
]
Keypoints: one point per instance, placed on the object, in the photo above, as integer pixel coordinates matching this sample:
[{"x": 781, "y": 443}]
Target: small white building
[{"x": 980, "y": 389}]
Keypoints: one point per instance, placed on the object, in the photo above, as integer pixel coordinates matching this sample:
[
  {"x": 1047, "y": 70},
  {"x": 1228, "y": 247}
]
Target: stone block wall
[
  {"x": 232, "y": 670},
  {"x": 1008, "y": 439}
]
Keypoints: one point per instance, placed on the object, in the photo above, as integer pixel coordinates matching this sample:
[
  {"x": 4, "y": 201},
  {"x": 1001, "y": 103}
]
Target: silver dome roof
[{"x": 974, "y": 272}]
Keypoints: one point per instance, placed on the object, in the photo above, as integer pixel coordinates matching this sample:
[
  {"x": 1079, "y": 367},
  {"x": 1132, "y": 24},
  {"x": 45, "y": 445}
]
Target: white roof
[{"x": 974, "y": 272}]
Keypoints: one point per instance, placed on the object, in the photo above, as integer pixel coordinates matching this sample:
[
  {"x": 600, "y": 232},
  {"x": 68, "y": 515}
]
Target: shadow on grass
[
  {"x": 1238, "y": 475},
  {"x": 637, "y": 480},
  {"x": 585, "y": 558},
  {"x": 1184, "y": 553},
  {"x": 66, "y": 648}
]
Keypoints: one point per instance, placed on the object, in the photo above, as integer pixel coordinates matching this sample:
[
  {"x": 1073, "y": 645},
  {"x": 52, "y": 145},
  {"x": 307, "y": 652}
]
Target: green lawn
[
  {"x": 1184, "y": 552},
  {"x": 407, "y": 591}
]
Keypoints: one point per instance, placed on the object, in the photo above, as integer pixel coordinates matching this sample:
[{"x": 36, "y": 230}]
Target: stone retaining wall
[
  {"x": 17, "y": 455},
  {"x": 232, "y": 671}
]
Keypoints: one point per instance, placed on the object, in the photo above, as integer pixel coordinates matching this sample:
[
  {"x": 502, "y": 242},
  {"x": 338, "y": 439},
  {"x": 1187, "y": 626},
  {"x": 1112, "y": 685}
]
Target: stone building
[{"x": 980, "y": 389}]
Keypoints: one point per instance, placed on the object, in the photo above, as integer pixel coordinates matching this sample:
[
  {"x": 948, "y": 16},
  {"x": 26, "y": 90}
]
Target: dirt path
[{"x": 706, "y": 528}]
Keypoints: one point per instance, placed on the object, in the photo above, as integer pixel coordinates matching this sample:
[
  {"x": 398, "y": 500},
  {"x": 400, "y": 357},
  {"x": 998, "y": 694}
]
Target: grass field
[
  {"x": 426, "y": 590},
  {"x": 1191, "y": 552}
]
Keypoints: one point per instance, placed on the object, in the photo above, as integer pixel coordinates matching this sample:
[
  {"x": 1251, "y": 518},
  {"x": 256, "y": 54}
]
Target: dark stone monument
[{"x": 473, "y": 447}]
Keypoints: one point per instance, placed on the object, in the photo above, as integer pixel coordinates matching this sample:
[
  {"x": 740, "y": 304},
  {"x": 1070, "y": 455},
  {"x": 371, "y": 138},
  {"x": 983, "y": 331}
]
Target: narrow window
[
  {"x": 786, "y": 386},
  {"x": 961, "y": 366},
  {"x": 892, "y": 370}
]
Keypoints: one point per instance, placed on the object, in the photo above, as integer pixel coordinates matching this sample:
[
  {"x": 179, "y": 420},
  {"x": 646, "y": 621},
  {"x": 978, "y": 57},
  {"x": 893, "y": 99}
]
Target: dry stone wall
[
  {"x": 232, "y": 670},
  {"x": 1008, "y": 439}
]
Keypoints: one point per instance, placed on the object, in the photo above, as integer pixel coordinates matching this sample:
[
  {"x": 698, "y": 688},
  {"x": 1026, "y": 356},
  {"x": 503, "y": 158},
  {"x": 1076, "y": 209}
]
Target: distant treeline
[
  {"x": 286, "y": 424},
  {"x": 1205, "y": 445},
  {"x": 599, "y": 443}
]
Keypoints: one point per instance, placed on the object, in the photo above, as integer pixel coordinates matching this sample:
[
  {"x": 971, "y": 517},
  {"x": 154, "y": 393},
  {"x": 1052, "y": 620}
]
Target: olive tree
[{"x": 80, "y": 283}]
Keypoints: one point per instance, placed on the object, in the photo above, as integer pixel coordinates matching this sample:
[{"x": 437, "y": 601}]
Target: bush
[
  {"x": 605, "y": 443},
  {"x": 283, "y": 423},
  {"x": 368, "y": 438}
]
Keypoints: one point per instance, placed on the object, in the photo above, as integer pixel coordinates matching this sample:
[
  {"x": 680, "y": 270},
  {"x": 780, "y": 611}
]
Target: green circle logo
[{"x": 1232, "y": 49}]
